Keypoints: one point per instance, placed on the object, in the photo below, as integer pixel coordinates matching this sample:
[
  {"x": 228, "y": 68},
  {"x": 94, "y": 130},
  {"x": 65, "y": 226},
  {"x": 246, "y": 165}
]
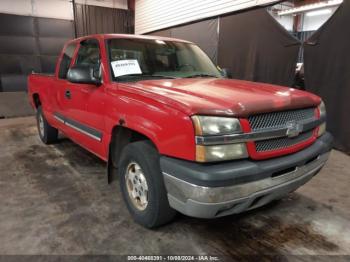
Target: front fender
[{"x": 170, "y": 130}]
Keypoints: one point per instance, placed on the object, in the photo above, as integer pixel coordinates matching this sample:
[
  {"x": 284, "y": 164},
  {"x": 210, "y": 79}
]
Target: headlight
[
  {"x": 322, "y": 128},
  {"x": 211, "y": 125},
  {"x": 221, "y": 152},
  {"x": 218, "y": 126}
]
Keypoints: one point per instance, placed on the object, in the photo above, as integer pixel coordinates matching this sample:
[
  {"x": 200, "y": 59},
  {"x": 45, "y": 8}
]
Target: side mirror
[
  {"x": 83, "y": 74},
  {"x": 225, "y": 72}
]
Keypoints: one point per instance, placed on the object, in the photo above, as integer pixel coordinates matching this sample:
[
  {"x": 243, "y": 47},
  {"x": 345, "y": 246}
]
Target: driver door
[{"x": 85, "y": 113}]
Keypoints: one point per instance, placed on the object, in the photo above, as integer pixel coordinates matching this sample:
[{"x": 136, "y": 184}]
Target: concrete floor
[
  {"x": 55, "y": 200},
  {"x": 14, "y": 104}
]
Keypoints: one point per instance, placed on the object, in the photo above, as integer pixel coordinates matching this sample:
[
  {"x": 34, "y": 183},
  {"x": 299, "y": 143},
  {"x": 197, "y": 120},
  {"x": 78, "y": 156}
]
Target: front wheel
[
  {"x": 142, "y": 185},
  {"x": 47, "y": 133}
]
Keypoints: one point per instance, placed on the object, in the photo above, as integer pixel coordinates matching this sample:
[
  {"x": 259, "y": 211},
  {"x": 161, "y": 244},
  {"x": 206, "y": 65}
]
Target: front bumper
[{"x": 214, "y": 190}]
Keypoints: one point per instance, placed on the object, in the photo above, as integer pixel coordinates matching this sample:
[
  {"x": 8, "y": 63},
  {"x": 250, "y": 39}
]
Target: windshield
[{"x": 141, "y": 59}]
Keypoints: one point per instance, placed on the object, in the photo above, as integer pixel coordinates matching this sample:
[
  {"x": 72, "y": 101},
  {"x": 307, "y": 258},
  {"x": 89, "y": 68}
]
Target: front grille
[
  {"x": 280, "y": 119},
  {"x": 283, "y": 142}
]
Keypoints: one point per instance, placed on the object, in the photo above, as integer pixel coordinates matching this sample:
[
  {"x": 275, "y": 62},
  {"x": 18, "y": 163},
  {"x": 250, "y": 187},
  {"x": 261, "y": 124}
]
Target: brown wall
[{"x": 95, "y": 19}]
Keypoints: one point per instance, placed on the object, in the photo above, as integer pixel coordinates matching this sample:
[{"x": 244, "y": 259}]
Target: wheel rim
[
  {"x": 41, "y": 125},
  {"x": 137, "y": 186}
]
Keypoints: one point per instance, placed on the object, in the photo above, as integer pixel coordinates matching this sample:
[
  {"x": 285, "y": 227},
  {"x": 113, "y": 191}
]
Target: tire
[
  {"x": 47, "y": 133},
  {"x": 157, "y": 211}
]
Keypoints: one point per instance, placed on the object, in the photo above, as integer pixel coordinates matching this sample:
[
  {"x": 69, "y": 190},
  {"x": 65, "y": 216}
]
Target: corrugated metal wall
[
  {"x": 60, "y": 9},
  {"x": 152, "y": 15}
]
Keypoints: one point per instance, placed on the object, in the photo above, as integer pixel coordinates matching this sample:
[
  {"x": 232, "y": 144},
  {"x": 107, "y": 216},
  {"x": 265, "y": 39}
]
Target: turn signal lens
[
  {"x": 221, "y": 152},
  {"x": 322, "y": 109},
  {"x": 321, "y": 129}
]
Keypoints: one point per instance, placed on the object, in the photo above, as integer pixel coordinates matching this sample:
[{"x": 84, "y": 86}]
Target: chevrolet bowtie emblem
[{"x": 293, "y": 129}]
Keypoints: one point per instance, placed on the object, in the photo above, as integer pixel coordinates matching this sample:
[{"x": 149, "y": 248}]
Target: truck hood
[{"x": 222, "y": 96}]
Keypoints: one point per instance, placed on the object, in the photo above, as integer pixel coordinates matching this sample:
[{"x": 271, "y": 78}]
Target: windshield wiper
[
  {"x": 171, "y": 77},
  {"x": 200, "y": 75}
]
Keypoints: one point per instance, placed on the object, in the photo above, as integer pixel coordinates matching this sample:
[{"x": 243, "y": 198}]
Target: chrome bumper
[{"x": 210, "y": 202}]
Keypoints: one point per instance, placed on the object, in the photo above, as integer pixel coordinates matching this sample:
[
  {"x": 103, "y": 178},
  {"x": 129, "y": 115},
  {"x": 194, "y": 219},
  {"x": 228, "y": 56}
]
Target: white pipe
[{"x": 305, "y": 8}]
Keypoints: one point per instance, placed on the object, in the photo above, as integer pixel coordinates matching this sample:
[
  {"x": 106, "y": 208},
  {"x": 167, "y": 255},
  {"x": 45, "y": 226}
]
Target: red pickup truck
[{"x": 177, "y": 132}]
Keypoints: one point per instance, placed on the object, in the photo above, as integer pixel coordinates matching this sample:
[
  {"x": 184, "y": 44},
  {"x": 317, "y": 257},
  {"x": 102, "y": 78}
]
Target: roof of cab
[{"x": 130, "y": 36}]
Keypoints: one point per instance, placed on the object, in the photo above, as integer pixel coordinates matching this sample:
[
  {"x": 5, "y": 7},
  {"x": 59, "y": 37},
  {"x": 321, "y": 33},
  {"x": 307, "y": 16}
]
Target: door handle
[{"x": 67, "y": 94}]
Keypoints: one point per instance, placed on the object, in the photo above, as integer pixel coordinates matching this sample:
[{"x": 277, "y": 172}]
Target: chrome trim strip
[
  {"x": 184, "y": 191},
  {"x": 83, "y": 131},
  {"x": 58, "y": 118},
  {"x": 75, "y": 125},
  {"x": 255, "y": 135}
]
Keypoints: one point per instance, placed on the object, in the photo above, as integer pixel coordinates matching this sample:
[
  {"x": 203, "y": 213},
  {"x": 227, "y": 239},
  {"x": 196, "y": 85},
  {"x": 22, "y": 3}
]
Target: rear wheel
[
  {"x": 142, "y": 185},
  {"x": 47, "y": 133}
]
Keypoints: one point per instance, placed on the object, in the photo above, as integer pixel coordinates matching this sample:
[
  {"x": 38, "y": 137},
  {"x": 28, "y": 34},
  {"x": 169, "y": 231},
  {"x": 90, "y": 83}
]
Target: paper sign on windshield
[{"x": 126, "y": 67}]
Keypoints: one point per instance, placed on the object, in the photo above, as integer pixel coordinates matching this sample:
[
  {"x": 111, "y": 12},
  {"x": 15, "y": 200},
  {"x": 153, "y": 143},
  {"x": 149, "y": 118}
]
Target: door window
[
  {"x": 89, "y": 55},
  {"x": 66, "y": 60}
]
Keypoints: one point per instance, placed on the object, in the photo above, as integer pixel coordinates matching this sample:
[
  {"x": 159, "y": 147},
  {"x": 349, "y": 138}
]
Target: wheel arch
[
  {"x": 36, "y": 100},
  {"x": 120, "y": 137}
]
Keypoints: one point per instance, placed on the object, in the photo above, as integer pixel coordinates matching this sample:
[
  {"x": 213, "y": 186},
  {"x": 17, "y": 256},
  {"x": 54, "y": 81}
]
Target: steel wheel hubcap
[
  {"x": 41, "y": 125},
  {"x": 137, "y": 186}
]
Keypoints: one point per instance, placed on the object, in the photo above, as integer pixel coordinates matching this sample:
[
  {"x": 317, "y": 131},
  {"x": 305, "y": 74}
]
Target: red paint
[
  {"x": 160, "y": 109},
  {"x": 223, "y": 96}
]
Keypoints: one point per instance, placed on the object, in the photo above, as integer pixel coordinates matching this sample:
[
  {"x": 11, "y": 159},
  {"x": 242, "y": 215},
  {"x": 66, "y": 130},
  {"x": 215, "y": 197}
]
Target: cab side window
[{"x": 66, "y": 60}]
